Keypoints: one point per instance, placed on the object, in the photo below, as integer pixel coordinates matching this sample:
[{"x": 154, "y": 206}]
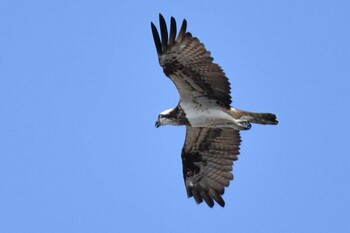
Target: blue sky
[{"x": 81, "y": 88}]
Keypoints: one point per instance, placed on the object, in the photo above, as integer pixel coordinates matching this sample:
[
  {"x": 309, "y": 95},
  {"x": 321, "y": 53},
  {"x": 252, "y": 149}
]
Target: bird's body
[
  {"x": 208, "y": 115},
  {"x": 212, "y": 125}
]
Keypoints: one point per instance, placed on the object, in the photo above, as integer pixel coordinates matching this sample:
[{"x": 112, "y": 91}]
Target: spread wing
[
  {"x": 189, "y": 65},
  {"x": 207, "y": 159}
]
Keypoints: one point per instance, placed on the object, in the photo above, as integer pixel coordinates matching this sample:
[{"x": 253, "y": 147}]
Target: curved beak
[{"x": 157, "y": 124}]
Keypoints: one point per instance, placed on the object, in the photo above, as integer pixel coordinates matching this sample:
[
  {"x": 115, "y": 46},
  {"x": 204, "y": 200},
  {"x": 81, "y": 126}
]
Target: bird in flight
[{"x": 212, "y": 126}]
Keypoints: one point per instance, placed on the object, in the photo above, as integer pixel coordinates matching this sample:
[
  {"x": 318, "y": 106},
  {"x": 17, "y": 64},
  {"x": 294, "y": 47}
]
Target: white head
[{"x": 165, "y": 118}]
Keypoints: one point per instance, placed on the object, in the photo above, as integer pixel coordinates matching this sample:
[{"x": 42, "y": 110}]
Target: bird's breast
[{"x": 200, "y": 115}]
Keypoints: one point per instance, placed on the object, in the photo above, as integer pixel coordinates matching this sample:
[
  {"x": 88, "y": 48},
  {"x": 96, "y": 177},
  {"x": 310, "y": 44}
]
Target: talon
[
  {"x": 247, "y": 125},
  {"x": 244, "y": 124}
]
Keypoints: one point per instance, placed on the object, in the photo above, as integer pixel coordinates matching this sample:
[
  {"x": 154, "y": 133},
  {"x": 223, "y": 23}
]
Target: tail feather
[{"x": 255, "y": 117}]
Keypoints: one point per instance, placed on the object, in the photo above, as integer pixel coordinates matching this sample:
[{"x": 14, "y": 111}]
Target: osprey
[{"x": 212, "y": 126}]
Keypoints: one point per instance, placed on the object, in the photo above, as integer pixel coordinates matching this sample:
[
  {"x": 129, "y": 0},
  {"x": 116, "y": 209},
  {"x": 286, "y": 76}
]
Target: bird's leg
[{"x": 243, "y": 124}]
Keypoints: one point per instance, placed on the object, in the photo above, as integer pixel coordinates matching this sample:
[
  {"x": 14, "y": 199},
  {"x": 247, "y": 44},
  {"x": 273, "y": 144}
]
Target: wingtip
[
  {"x": 208, "y": 197},
  {"x": 221, "y": 202},
  {"x": 172, "y": 18},
  {"x": 173, "y": 31},
  {"x": 156, "y": 38},
  {"x": 153, "y": 26},
  {"x": 163, "y": 32},
  {"x": 182, "y": 32}
]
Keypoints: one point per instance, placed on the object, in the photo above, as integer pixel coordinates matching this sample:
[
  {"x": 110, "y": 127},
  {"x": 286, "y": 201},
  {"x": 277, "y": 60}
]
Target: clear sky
[{"x": 81, "y": 88}]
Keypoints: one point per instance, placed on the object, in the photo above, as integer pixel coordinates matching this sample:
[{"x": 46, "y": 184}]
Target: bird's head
[
  {"x": 162, "y": 120},
  {"x": 165, "y": 118}
]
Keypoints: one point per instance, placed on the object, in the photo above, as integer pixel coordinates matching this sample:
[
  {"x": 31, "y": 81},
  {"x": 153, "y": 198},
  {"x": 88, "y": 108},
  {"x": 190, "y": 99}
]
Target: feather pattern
[
  {"x": 207, "y": 158},
  {"x": 189, "y": 65}
]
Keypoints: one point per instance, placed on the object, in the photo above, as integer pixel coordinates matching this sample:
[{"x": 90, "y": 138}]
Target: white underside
[{"x": 209, "y": 115}]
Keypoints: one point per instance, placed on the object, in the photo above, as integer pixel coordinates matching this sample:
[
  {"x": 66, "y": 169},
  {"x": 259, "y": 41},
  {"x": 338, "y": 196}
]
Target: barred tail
[{"x": 254, "y": 117}]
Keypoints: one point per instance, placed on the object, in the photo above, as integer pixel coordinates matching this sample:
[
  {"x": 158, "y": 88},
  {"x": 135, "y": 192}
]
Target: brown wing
[
  {"x": 189, "y": 65},
  {"x": 207, "y": 159}
]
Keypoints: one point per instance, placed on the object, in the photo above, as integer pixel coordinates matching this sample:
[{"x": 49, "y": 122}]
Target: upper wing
[
  {"x": 207, "y": 159},
  {"x": 189, "y": 65}
]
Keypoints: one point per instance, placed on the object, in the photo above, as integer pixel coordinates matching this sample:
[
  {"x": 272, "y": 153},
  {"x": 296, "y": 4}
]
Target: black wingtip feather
[
  {"x": 182, "y": 32},
  {"x": 217, "y": 197},
  {"x": 197, "y": 197},
  {"x": 161, "y": 39},
  {"x": 207, "y": 198},
  {"x": 172, "y": 32},
  {"x": 156, "y": 39},
  {"x": 163, "y": 32}
]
